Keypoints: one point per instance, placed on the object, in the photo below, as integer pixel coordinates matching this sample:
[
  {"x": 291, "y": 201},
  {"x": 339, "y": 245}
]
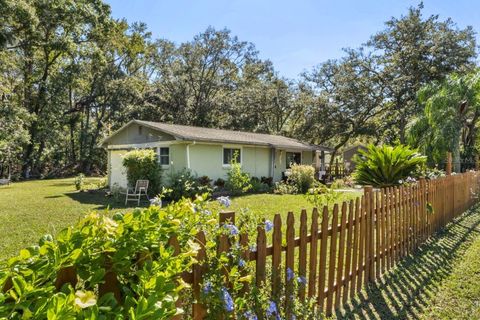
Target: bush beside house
[{"x": 142, "y": 164}]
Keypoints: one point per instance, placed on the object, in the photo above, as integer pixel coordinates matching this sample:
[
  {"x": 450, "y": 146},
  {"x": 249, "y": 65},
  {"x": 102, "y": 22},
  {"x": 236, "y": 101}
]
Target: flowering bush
[
  {"x": 149, "y": 287},
  {"x": 302, "y": 176},
  {"x": 282, "y": 187}
]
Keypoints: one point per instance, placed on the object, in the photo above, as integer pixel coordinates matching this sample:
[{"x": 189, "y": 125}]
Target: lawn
[{"x": 31, "y": 209}]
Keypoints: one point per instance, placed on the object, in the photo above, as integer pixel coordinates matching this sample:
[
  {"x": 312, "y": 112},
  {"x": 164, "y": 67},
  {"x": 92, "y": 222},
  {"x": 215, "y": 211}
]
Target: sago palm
[{"x": 386, "y": 166}]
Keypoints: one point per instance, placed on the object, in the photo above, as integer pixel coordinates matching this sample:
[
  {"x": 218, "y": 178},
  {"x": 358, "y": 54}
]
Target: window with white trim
[
  {"x": 164, "y": 156},
  {"x": 230, "y": 153},
  {"x": 293, "y": 158}
]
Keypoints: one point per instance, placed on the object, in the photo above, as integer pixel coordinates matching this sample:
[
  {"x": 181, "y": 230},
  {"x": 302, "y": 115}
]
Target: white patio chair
[{"x": 141, "y": 188}]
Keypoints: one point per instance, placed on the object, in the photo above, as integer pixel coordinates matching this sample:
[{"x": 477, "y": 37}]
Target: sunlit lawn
[{"x": 31, "y": 209}]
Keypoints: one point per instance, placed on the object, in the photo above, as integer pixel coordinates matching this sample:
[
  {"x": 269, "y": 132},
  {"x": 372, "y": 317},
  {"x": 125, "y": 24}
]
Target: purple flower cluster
[
  {"x": 268, "y": 225},
  {"x": 272, "y": 310},
  {"x": 232, "y": 229},
  {"x": 249, "y": 315},
  {"x": 207, "y": 288},
  {"x": 225, "y": 201},
  {"x": 302, "y": 280},
  {"x": 227, "y": 300},
  {"x": 290, "y": 274}
]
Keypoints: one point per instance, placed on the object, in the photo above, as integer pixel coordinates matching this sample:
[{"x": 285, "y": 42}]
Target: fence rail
[
  {"x": 342, "y": 250},
  {"x": 338, "y": 252}
]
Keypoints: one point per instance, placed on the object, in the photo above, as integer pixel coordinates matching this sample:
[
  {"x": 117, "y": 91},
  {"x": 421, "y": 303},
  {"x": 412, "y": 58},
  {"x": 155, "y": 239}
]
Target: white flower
[{"x": 85, "y": 299}]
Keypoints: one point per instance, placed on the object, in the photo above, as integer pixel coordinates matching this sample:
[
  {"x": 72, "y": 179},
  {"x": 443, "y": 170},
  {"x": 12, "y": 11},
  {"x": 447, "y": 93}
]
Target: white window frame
[
  {"x": 159, "y": 156},
  {"x": 227, "y": 165},
  {"x": 293, "y": 151}
]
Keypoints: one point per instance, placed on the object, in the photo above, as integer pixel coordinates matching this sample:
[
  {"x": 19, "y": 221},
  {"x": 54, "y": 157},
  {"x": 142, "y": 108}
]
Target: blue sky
[{"x": 295, "y": 35}]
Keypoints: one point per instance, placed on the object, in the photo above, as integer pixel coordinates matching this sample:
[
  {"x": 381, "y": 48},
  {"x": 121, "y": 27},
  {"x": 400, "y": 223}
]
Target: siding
[
  {"x": 130, "y": 135},
  {"x": 206, "y": 159}
]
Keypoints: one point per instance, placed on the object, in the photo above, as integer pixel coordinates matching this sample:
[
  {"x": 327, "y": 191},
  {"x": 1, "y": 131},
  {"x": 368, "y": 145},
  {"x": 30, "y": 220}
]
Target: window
[
  {"x": 230, "y": 153},
  {"x": 293, "y": 157},
  {"x": 140, "y": 129},
  {"x": 164, "y": 156}
]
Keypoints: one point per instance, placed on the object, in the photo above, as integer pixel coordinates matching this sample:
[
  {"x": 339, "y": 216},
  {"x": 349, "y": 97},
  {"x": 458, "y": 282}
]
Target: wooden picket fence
[
  {"x": 337, "y": 252},
  {"x": 341, "y": 251}
]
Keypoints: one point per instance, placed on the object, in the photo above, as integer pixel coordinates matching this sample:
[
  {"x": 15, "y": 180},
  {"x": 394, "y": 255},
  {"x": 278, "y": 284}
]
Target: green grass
[
  {"x": 267, "y": 205},
  {"x": 441, "y": 280},
  {"x": 31, "y": 209}
]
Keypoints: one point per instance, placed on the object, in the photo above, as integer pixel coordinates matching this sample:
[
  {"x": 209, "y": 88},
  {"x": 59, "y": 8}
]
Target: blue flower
[
  {"x": 302, "y": 280},
  {"x": 249, "y": 315},
  {"x": 207, "y": 288},
  {"x": 272, "y": 309},
  {"x": 232, "y": 229},
  {"x": 227, "y": 300},
  {"x": 241, "y": 263},
  {"x": 268, "y": 225},
  {"x": 225, "y": 201},
  {"x": 157, "y": 201},
  {"x": 207, "y": 212},
  {"x": 290, "y": 274}
]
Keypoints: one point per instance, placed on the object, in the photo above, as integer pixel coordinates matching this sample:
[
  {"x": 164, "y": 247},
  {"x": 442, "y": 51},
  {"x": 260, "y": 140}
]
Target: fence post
[
  {"x": 370, "y": 234},
  {"x": 448, "y": 168}
]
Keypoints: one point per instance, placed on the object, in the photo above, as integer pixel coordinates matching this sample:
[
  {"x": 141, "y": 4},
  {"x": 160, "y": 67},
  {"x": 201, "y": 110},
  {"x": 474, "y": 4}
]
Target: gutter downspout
[
  {"x": 188, "y": 154},
  {"x": 272, "y": 156}
]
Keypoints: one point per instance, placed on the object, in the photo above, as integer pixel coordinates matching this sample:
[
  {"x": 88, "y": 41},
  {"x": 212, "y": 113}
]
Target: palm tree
[{"x": 451, "y": 112}]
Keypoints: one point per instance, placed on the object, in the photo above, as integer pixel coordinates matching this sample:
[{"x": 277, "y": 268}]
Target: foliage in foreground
[
  {"x": 149, "y": 287},
  {"x": 146, "y": 267},
  {"x": 385, "y": 166}
]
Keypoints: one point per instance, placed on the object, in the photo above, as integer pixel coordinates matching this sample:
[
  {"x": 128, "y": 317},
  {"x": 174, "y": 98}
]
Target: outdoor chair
[{"x": 141, "y": 188}]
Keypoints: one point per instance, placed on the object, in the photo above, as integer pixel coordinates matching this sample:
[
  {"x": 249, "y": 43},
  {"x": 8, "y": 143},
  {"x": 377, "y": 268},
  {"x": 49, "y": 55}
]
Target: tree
[
  {"x": 413, "y": 51},
  {"x": 347, "y": 99},
  {"x": 450, "y": 120}
]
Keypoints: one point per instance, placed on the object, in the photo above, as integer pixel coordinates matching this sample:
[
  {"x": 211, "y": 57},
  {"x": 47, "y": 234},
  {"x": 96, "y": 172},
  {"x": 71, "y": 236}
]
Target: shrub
[
  {"x": 149, "y": 290},
  {"x": 284, "y": 188},
  {"x": 238, "y": 182},
  {"x": 79, "y": 181},
  {"x": 346, "y": 182},
  {"x": 302, "y": 176},
  {"x": 258, "y": 186},
  {"x": 267, "y": 180},
  {"x": 142, "y": 164},
  {"x": 385, "y": 165},
  {"x": 185, "y": 184},
  {"x": 219, "y": 183},
  {"x": 204, "y": 181}
]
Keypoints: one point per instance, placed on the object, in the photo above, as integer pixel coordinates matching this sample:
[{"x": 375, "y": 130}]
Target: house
[
  {"x": 207, "y": 151},
  {"x": 349, "y": 154}
]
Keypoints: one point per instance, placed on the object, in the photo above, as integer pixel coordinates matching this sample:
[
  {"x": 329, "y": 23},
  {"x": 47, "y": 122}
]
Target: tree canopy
[{"x": 70, "y": 74}]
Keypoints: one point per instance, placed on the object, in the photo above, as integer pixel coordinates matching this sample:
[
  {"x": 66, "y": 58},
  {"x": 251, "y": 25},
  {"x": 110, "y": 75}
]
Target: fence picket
[
  {"x": 302, "y": 259},
  {"x": 332, "y": 261},
  {"x": 323, "y": 258}
]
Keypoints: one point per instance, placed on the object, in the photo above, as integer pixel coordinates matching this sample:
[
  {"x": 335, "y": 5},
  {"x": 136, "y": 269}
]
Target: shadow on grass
[
  {"x": 102, "y": 201},
  {"x": 404, "y": 292}
]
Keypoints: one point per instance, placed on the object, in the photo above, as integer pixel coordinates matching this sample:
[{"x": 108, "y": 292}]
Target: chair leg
[{"x": 126, "y": 199}]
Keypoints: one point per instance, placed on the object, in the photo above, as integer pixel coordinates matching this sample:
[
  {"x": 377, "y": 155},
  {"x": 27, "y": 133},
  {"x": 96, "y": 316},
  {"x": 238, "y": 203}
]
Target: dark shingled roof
[{"x": 190, "y": 133}]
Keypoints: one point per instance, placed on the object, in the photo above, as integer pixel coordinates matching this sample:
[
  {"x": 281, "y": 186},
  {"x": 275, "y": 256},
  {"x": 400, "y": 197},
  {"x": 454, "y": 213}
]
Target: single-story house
[{"x": 208, "y": 152}]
